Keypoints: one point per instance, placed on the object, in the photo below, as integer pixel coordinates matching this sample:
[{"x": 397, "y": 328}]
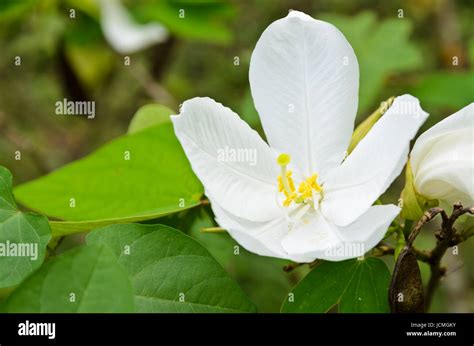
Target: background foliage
[{"x": 69, "y": 58}]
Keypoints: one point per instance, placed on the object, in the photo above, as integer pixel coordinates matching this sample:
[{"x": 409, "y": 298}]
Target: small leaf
[
  {"x": 85, "y": 279},
  {"x": 363, "y": 129},
  {"x": 136, "y": 177},
  {"x": 23, "y": 237},
  {"x": 170, "y": 271},
  {"x": 414, "y": 204},
  {"x": 354, "y": 285},
  {"x": 406, "y": 287},
  {"x": 400, "y": 243},
  {"x": 148, "y": 116}
]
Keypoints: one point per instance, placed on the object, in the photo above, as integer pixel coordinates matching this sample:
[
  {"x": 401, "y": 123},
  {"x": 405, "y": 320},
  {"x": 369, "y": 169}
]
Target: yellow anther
[
  {"x": 289, "y": 199},
  {"x": 287, "y": 185},
  {"x": 291, "y": 183},
  {"x": 285, "y": 181},
  {"x": 283, "y": 159},
  {"x": 313, "y": 183},
  {"x": 305, "y": 189}
]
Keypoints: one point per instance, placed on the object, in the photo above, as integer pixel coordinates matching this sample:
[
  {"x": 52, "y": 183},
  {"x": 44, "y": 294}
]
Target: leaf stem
[{"x": 213, "y": 230}]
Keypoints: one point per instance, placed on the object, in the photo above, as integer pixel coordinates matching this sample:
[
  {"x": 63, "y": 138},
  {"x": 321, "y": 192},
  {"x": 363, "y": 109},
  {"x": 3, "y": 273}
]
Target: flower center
[{"x": 309, "y": 192}]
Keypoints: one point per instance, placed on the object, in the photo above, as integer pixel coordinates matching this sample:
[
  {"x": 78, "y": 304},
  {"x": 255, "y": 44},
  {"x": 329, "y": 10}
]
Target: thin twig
[
  {"x": 293, "y": 265},
  {"x": 446, "y": 238},
  {"x": 384, "y": 249},
  {"x": 427, "y": 217}
]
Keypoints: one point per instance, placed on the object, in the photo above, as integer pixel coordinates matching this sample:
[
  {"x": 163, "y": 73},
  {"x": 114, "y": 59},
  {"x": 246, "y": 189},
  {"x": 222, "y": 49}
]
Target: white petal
[
  {"x": 367, "y": 231},
  {"x": 321, "y": 239},
  {"x": 262, "y": 238},
  {"x": 236, "y": 167},
  {"x": 373, "y": 165},
  {"x": 123, "y": 33},
  {"x": 311, "y": 240},
  {"x": 442, "y": 159},
  {"x": 304, "y": 78}
]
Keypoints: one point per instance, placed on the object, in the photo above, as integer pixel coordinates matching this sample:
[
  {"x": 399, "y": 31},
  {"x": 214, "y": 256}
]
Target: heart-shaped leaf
[
  {"x": 354, "y": 285},
  {"x": 85, "y": 279},
  {"x": 23, "y": 237},
  {"x": 136, "y": 177},
  {"x": 170, "y": 271}
]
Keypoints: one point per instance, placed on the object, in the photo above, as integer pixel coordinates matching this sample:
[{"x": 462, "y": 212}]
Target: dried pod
[{"x": 406, "y": 288}]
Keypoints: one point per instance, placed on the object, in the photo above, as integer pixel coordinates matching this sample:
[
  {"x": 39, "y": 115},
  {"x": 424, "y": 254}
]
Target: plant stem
[{"x": 446, "y": 238}]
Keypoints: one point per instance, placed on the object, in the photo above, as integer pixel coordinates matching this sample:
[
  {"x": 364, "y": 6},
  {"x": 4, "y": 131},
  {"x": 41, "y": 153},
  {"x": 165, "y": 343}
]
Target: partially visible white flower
[
  {"x": 302, "y": 199},
  {"x": 442, "y": 160},
  {"x": 123, "y": 33}
]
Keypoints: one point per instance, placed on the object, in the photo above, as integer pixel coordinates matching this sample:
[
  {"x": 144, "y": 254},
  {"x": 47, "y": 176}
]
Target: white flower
[
  {"x": 442, "y": 160},
  {"x": 304, "y": 78},
  {"x": 123, "y": 33}
]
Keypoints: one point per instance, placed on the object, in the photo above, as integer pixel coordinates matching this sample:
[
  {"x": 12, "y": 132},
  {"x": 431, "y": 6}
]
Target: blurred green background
[{"x": 423, "y": 47}]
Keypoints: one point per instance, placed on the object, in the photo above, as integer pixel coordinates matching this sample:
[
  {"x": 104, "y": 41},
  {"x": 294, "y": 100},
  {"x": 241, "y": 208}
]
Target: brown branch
[
  {"x": 446, "y": 237},
  {"x": 384, "y": 249},
  {"x": 427, "y": 217},
  {"x": 293, "y": 265}
]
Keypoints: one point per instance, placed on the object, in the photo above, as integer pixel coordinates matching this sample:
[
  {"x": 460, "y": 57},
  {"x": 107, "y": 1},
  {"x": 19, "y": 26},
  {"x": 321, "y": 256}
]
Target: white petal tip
[
  {"x": 299, "y": 14},
  {"x": 409, "y": 104},
  {"x": 195, "y": 101}
]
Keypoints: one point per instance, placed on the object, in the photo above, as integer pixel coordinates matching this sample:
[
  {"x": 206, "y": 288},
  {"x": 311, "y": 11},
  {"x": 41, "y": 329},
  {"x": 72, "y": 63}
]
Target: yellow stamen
[
  {"x": 284, "y": 179},
  {"x": 287, "y": 185}
]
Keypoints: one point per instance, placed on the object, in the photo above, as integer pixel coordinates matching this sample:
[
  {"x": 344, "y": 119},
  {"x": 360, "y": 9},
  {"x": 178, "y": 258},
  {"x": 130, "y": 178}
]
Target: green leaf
[
  {"x": 85, "y": 279},
  {"x": 446, "y": 89},
  {"x": 363, "y": 129},
  {"x": 12, "y": 9},
  {"x": 148, "y": 116},
  {"x": 25, "y": 233},
  {"x": 354, "y": 285},
  {"x": 91, "y": 62},
  {"x": 414, "y": 204},
  {"x": 107, "y": 188},
  {"x": 411, "y": 210},
  {"x": 204, "y": 21},
  {"x": 260, "y": 277},
  {"x": 170, "y": 271},
  {"x": 382, "y": 48}
]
